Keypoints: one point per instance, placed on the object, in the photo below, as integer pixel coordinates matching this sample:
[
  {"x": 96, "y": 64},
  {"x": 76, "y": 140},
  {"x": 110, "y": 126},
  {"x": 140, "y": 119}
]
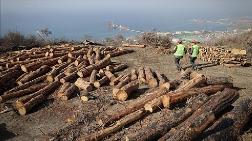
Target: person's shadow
[{"x": 4, "y": 133}]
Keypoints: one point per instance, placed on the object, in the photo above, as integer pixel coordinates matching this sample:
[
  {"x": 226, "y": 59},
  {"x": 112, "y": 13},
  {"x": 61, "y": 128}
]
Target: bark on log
[
  {"x": 19, "y": 93},
  {"x": 151, "y": 80},
  {"x": 78, "y": 60},
  {"x": 113, "y": 114},
  {"x": 84, "y": 85},
  {"x": 219, "y": 81},
  {"x": 35, "y": 65},
  {"x": 101, "y": 82},
  {"x": 126, "y": 90},
  {"x": 69, "y": 92},
  {"x": 126, "y": 80},
  {"x": 25, "y": 105},
  {"x": 63, "y": 59},
  {"x": 110, "y": 75},
  {"x": 117, "y": 126},
  {"x": 183, "y": 95},
  {"x": 55, "y": 71},
  {"x": 63, "y": 88},
  {"x": 141, "y": 75},
  {"x": 70, "y": 70},
  {"x": 178, "y": 96},
  {"x": 119, "y": 67},
  {"x": 59, "y": 76},
  {"x": 93, "y": 76},
  {"x": 27, "y": 85},
  {"x": 229, "y": 127},
  {"x": 73, "y": 76},
  {"x": 32, "y": 75},
  {"x": 13, "y": 73},
  {"x": 84, "y": 72},
  {"x": 202, "y": 118},
  {"x": 165, "y": 121},
  {"x": 116, "y": 80}
]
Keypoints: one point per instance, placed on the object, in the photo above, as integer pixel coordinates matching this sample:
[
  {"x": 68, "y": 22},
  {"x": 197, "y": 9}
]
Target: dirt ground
[{"x": 71, "y": 118}]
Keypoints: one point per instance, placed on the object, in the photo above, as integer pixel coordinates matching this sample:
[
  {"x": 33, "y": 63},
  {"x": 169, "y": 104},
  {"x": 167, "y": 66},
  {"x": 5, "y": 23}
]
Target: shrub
[{"x": 153, "y": 39}]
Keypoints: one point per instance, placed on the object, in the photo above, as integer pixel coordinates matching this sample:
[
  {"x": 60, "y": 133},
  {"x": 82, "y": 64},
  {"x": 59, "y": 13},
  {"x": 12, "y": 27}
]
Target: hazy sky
[{"x": 28, "y": 15}]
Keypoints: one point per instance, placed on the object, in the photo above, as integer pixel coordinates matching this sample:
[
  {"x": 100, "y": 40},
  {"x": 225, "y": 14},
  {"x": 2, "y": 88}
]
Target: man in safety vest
[
  {"x": 180, "y": 51},
  {"x": 194, "y": 52}
]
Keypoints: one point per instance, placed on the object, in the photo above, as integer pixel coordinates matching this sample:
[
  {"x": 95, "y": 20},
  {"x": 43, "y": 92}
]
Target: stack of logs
[
  {"x": 32, "y": 75},
  {"x": 223, "y": 56},
  {"x": 206, "y": 102}
]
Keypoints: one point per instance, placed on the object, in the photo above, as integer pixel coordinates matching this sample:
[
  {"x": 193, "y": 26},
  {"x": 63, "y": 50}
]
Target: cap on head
[
  {"x": 194, "y": 41},
  {"x": 179, "y": 41}
]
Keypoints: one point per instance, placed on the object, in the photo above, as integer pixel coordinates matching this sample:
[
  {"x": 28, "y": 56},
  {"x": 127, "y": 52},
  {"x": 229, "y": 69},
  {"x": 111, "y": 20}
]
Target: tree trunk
[
  {"x": 229, "y": 127},
  {"x": 62, "y": 59},
  {"x": 162, "y": 79},
  {"x": 163, "y": 121},
  {"x": 151, "y": 80},
  {"x": 25, "y": 105},
  {"x": 72, "y": 77},
  {"x": 116, "y": 80},
  {"x": 202, "y": 118},
  {"x": 110, "y": 75},
  {"x": 22, "y": 92},
  {"x": 55, "y": 71},
  {"x": 84, "y": 72},
  {"x": 63, "y": 88},
  {"x": 101, "y": 82},
  {"x": 113, "y": 114},
  {"x": 126, "y": 90},
  {"x": 119, "y": 67},
  {"x": 35, "y": 65},
  {"x": 219, "y": 81},
  {"x": 126, "y": 80},
  {"x": 93, "y": 76},
  {"x": 183, "y": 95},
  {"x": 32, "y": 75},
  {"x": 69, "y": 92},
  {"x": 83, "y": 85},
  {"x": 117, "y": 126}
]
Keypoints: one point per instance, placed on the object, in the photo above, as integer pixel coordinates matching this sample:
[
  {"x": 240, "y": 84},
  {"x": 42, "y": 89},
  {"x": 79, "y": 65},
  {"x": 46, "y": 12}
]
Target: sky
[{"x": 74, "y": 17}]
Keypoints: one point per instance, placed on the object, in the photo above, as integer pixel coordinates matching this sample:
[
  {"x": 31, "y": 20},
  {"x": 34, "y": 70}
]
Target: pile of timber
[
  {"x": 197, "y": 106},
  {"x": 223, "y": 56},
  {"x": 134, "y": 45},
  {"x": 30, "y": 76}
]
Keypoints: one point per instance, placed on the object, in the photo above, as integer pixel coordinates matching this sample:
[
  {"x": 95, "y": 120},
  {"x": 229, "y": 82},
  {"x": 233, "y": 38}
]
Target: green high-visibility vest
[
  {"x": 180, "y": 51},
  {"x": 195, "y": 50}
]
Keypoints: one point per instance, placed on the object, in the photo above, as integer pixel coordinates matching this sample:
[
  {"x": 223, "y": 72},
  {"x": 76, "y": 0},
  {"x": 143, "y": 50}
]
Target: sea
[{"x": 96, "y": 19}]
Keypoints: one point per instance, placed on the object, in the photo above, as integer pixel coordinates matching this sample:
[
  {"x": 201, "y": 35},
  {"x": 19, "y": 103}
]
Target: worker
[
  {"x": 194, "y": 52},
  {"x": 180, "y": 51}
]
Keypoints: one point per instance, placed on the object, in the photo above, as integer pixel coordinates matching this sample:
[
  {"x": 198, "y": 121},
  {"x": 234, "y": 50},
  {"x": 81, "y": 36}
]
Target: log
[
  {"x": 27, "y": 85},
  {"x": 103, "y": 63},
  {"x": 69, "y": 92},
  {"x": 161, "y": 122},
  {"x": 202, "y": 118},
  {"x": 63, "y": 88},
  {"x": 133, "y": 74},
  {"x": 59, "y": 76},
  {"x": 137, "y": 46},
  {"x": 116, "y": 80},
  {"x": 113, "y": 114},
  {"x": 93, "y": 76},
  {"x": 32, "y": 75},
  {"x": 63, "y": 59},
  {"x": 141, "y": 75},
  {"x": 35, "y": 65},
  {"x": 110, "y": 75},
  {"x": 179, "y": 96},
  {"x": 90, "y": 52},
  {"x": 25, "y": 105},
  {"x": 101, "y": 73},
  {"x": 162, "y": 79},
  {"x": 198, "y": 79},
  {"x": 101, "y": 82},
  {"x": 91, "y": 59},
  {"x": 19, "y": 93},
  {"x": 73, "y": 76},
  {"x": 13, "y": 73},
  {"x": 78, "y": 60},
  {"x": 117, "y": 126},
  {"x": 120, "y": 52},
  {"x": 55, "y": 71},
  {"x": 126, "y": 90},
  {"x": 70, "y": 70},
  {"x": 229, "y": 127},
  {"x": 126, "y": 80},
  {"x": 77, "y": 53},
  {"x": 151, "y": 80},
  {"x": 119, "y": 67},
  {"x": 84, "y": 72},
  {"x": 83, "y": 85},
  {"x": 183, "y": 95},
  {"x": 98, "y": 54}
]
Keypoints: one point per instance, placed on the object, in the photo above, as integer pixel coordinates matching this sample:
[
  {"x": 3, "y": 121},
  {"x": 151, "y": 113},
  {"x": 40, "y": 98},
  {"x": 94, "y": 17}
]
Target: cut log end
[
  {"x": 166, "y": 101},
  {"x": 22, "y": 110},
  {"x": 148, "y": 107},
  {"x": 23, "y": 68},
  {"x": 121, "y": 95},
  {"x": 49, "y": 78},
  {"x": 84, "y": 98}
]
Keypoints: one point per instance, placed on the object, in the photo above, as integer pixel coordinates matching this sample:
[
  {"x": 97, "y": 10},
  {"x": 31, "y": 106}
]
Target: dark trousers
[
  {"x": 192, "y": 61},
  {"x": 177, "y": 60}
]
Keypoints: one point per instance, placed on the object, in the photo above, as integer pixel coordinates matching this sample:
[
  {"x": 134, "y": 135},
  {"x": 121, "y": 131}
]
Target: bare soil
[{"x": 67, "y": 120}]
